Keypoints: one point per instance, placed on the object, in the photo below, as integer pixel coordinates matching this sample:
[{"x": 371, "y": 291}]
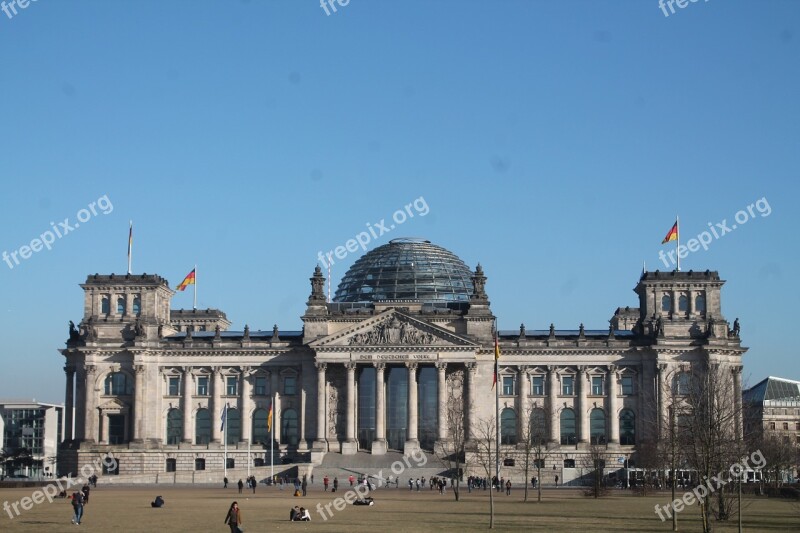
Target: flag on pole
[
  {"x": 130, "y": 245},
  {"x": 224, "y": 416},
  {"x": 496, "y": 358},
  {"x": 672, "y": 235},
  {"x": 269, "y": 418},
  {"x": 188, "y": 280}
]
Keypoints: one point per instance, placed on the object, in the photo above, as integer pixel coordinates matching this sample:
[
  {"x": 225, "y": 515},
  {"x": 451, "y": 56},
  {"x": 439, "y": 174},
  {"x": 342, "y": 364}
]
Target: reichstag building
[{"x": 410, "y": 329}]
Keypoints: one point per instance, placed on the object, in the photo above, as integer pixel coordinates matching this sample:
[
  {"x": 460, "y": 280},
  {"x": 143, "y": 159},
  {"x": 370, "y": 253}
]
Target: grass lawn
[{"x": 203, "y": 508}]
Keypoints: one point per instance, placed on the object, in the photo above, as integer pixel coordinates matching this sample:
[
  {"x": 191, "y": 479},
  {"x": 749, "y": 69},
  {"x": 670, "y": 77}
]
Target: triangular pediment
[
  {"x": 114, "y": 404},
  {"x": 392, "y": 328}
]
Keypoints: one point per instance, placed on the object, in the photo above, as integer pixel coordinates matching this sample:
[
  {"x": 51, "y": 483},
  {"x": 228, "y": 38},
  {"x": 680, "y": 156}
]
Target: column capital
[
  {"x": 321, "y": 366},
  {"x": 441, "y": 365},
  {"x": 69, "y": 369},
  {"x": 380, "y": 365},
  {"x": 350, "y": 365},
  {"x": 523, "y": 369},
  {"x": 552, "y": 369},
  {"x": 471, "y": 366},
  {"x": 581, "y": 369},
  {"x": 661, "y": 367},
  {"x": 89, "y": 369},
  {"x": 612, "y": 368},
  {"x": 139, "y": 369},
  {"x": 186, "y": 369},
  {"x": 736, "y": 369},
  {"x": 412, "y": 365}
]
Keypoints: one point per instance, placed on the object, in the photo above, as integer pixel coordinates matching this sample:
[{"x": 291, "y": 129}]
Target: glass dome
[{"x": 406, "y": 269}]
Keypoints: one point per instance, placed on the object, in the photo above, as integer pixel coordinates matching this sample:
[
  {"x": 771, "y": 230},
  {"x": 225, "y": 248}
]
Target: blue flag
[{"x": 224, "y": 416}]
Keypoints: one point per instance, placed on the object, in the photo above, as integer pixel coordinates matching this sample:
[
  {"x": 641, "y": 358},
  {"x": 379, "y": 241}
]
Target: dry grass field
[{"x": 203, "y": 508}]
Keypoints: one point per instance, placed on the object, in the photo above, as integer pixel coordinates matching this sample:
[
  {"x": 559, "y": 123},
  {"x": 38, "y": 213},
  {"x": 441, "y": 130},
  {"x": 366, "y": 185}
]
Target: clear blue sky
[{"x": 554, "y": 142}]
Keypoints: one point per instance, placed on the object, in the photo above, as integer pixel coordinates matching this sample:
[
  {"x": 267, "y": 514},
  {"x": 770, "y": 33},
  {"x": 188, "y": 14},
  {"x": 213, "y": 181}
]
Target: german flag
[
  {"x": 269, "y": 419},
  {"x": 188, "y": 280},
  {"x": 672, "y": 235},
  {"x": 496, "y": 358}
]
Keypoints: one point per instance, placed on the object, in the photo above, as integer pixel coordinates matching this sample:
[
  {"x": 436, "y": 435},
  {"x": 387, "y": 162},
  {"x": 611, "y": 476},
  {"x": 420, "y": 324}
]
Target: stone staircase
[{"x": 382, "y": 470}]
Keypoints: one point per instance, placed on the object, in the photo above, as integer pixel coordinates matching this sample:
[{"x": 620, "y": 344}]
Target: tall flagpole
[
  {"x": 130, "y": 245},
  {"x": 225, "y": 437},
  {"x": 497, "y": 404},
  {"x": 272, "y": 440},
  {"x": 678, "y": 240},
  {"x": 195, "y": 287}
]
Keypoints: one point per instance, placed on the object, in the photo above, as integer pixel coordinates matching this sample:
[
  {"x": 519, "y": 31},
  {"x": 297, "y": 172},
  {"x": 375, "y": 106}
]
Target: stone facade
[{"x": 150, "y": 385}]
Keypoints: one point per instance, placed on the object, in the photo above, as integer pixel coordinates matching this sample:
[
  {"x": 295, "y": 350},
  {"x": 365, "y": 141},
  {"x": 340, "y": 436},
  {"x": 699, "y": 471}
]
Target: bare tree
[
  {"x": 595, "y": 462},
  {"x": 452, "y": 451},
  {"x": 485, "y": 446},
  {"x": 533, "y": 444},
  {"x": 708, "y": 418}
]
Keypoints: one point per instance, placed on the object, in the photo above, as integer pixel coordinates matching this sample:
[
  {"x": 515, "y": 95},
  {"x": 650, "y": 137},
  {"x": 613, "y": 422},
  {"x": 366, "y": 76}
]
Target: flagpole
[
  {"x": 497, "y": 404},
  {"x": 195, "y": 287},
  {"x": 678, "y": 240},
  {"x": 225, "y": 438},
  {"x": 248, "y": 458},
  {"x": 272, "y": 440},
  {"x": 130, "y": 245}
]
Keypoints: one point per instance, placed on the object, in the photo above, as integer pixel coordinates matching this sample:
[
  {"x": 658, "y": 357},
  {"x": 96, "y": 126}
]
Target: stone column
[
  {"x": 412, "y": 438},
  {"x": 613, "y": 415},
  {"x": 104, "y": 430},
  {"x": 246, "y": 405},
  {"x": 138, "y": 403},
  {"x": 661, "y": 369},
  {"x": 216, "y": 404},
  {"x": 69, "y": 403},
  {"x": 552, "y": 405},
  {"x": 380, "y": 446},
  {"x": 472, "y": 400},
  {"x": 523, "y": 416},
  {"x": 350, "y": 445},
  {"x": 321, "y": 443},
  {"x": 186, "y": 405},
  {"x": 737, "y": 392},
  {"x": 442, "y": 399},
  {"x": 90, "y": 414},
  {"x": 584, "y": 434}
]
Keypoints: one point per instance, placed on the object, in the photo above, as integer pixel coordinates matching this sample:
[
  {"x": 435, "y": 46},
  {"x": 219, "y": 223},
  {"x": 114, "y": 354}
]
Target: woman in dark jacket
[{"x": 234, "y": 518}]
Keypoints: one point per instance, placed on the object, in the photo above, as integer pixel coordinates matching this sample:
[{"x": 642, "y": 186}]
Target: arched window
[
  {"x": 289, "y": 433},
  {"x": 137, "y": 306},
  {"x": 120, "y": 306},
  {"x": 508, "y": 426},
  {"x": 174, "y": 426},
  {"x": 597, "y": 426},
  {"x": 627, "y": 428},
  {"x": 260, "y": 430},
  {"x": 118, "y": 384},
  {"x": 233, "y": 426},
  {"x": 202, "y": 427},
  {"x": 700, "y": 303},
  {"x": 683, "y": 303},
  {"x": 105, "y": 305},
  {"x": 539, "y": 431},
  {"x": 568, "y": 426},
  {"x": 666, "y": 303},
  {"x": 681, "y": 384}
]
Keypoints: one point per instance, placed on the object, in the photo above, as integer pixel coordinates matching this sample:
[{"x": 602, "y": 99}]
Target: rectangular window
[
  {"x": 174, "y": 386},
  {"x": 508, "y": 385},
  {"x": 261, "y": 386},
  {"x": 786, "y": 426},
  {"x": 597, "y": 385},
  {"x": 230, "y": 385},
  {"x": 538, "y": 463},
  {"x": 537, "y": 386},
  {"x": 797, "y": 426},
  {"x": 627, "y": 385},
  {"x": 290, "y": 385},
  {"x": 202, "y": 386},
  {"x": 772, "y": 425},
  {"x": 567, "y": 386}
]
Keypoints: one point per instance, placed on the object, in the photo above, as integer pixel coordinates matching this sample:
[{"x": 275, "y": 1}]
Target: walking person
[
  {"x": 253, "y": 483},
  {"x": 234, "y": 518},
  {"x": 324, "y": 482},
  {"x": 556, "y": 481},
  {"x": 304, "y": 485},
  {"x": 77, "y": 507},
  {"x": 508, "y": 487},
  {"x": 240, "y": 485},
  {"x": 225, "y": 485},
  {"x": 335, "y": 483}
]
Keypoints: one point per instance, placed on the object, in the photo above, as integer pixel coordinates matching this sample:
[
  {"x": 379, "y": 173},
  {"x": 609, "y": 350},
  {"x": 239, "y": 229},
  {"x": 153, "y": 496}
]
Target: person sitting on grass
[
  {"x": 158, "y": 502},
  {"x": 305, "y": 516},
  {"x": 294, "y": 514}
]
